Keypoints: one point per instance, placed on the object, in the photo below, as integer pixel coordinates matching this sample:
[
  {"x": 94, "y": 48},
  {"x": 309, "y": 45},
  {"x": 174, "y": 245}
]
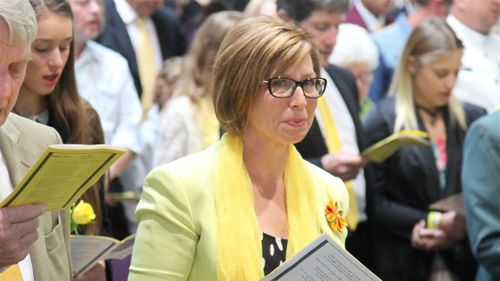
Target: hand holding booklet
[
  {"x": 321, "y": 260},
  {"x": 383, "y": 149},
  {"x": 62, "y": 174}
]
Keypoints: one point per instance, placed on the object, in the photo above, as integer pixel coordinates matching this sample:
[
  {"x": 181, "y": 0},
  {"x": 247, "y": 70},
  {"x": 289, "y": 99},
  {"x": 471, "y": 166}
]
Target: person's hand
[
  {"x": 96, "y": 273},
  {"x": 454, "y": 225},
  {"x": 429, "y": 239},
  {"x": 343, "y": 165},
  {"x": 18, "y": 231}
]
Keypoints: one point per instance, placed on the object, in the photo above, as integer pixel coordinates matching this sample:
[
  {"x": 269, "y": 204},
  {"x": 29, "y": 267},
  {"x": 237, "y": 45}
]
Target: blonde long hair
[{"x": 427, "y": 43}]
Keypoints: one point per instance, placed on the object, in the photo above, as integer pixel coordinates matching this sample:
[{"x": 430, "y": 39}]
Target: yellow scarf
[{"x": 239, "y": 249}]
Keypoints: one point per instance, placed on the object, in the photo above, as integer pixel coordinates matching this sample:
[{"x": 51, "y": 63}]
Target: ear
[
  {"x": 412, "y": 64},
  {"x": 284, "y": 16}
]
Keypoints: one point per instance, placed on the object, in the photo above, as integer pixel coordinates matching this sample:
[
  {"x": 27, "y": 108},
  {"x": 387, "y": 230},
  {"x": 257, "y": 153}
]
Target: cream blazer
[
  {"x": 176, "y": 237},
  {"x": 22, "y": 141}
]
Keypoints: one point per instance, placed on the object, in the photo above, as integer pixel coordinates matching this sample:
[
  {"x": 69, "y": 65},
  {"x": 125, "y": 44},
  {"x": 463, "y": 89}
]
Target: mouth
[
  {"x": 93, "y": 23},
  {"x": 297, "y": 122},
  {"x": 51, "y": 79}
]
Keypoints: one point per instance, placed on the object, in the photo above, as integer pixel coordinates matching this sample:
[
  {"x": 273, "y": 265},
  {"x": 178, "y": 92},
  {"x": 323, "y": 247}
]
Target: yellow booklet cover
[
  {"x": 62, "y": 174},
  {"x": 383, "y": 149}
]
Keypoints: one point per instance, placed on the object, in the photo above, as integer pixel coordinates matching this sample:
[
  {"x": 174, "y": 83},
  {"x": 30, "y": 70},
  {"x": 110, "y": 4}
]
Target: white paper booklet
[
  {"x": 87, "y": 250},
  {"x": 322, "y": 260}
]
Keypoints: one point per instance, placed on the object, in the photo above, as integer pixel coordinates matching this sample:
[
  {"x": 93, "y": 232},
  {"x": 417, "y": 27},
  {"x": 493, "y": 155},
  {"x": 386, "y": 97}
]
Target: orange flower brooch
[{"x": 334, "y": 217}]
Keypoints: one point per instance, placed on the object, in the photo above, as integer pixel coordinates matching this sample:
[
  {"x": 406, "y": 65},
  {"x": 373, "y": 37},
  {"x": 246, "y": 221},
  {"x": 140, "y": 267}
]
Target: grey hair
[
  {"x": 354, "y": 45},
  {"x": 21, "y": 20}
]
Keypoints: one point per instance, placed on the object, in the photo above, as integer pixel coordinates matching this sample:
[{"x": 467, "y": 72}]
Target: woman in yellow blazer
[{"x": 240, "y": 208}]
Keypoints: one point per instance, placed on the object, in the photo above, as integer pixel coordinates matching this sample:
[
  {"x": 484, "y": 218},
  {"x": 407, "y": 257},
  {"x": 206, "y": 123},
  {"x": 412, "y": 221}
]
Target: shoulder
[
  {"x": 339, "y": 72},
  {"x": 487, "y": 127},
  {"x": 108, "y": 56},
  {"x": 383, "y": 112},
  {"x": 473, "y": 112},
  {"x": 31, "y": 131},
  {"x": 178, "y": 107},
  {"x": 379, "y": 121},
  {"x": 177, "y": 176},
  {"x": 165, "y": 14}
]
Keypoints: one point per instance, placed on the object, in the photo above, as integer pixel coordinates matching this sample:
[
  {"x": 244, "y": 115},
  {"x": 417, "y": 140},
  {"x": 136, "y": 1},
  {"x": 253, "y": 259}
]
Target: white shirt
[
  {"x": 347, "y": 135},
  {"x": 128, "y": 15},
  {"x": 479, "y": 77},
  {"x": 5, "y": 189},
  {"x": 104, "y": 80}
]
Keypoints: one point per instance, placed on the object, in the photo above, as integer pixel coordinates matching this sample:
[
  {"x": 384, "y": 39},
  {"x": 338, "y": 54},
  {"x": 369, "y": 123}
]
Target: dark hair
[
  {"x": 68, "y": 114},
  {"x": 299, "y": 10}
]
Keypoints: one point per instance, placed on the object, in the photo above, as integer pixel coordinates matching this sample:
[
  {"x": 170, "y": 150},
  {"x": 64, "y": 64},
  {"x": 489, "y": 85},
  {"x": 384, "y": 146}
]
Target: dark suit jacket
[
  {"x": 405, "y": 185},
  {"x": 115, "y": 36},
  {"x": 313, "y": 146}
]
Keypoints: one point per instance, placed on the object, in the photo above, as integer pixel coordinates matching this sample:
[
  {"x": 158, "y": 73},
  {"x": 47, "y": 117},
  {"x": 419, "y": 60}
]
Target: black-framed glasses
[{"x": 282, "y": 87}]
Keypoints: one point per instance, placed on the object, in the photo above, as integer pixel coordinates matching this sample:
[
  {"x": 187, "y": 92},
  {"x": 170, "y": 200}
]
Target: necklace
[{"x": 433, "y": 114}]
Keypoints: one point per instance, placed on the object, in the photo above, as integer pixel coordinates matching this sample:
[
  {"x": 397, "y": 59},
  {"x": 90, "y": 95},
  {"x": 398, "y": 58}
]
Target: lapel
[
  {"x": 115, "y": 36},
  {"x": 162, "y": 33},
  {"x": 316, "y": 139},
  {"x": 17, "y": 158},
  {"x": 18, "y": 161},
  {"x": 432, "y": 188}
]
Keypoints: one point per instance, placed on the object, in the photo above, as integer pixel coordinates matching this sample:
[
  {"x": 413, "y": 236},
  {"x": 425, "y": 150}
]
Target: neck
[
  {"x": 30, "y": 104},
  {"x": 477, "y": 26},
  {"x": 265, "y": 162},
  {"x": 79, "y": 46},
  {"x": 417, "y": 17},
  {"x": 433, "y": 114}
]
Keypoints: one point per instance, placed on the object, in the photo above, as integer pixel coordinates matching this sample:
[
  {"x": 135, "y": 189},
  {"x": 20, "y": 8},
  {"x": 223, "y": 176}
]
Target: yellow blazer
[
  {"x": 22, "y": 141},
  {"x": 176, "y": 238}
]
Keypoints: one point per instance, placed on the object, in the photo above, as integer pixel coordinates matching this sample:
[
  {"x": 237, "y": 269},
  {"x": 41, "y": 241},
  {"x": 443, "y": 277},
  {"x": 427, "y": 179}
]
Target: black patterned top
[{"x": 273, "y": 252}]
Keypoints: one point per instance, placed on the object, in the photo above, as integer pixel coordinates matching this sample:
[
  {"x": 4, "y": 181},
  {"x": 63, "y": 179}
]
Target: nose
[
  {"x": 450, "y": 81},
  {"x": 95, "y": 6},
  {"x": 330, "y": 37},
  {"x": 299, "y": 99},
  {"x": 56, "y": 59}
]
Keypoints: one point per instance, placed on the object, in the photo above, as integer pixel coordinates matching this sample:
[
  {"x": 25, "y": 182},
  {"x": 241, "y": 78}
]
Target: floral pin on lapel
[
  {"x": 81, "y": 214},
  {"x": 334, "y": 217}
]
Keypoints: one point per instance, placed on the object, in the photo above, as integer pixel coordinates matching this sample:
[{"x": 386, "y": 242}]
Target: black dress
[{"x": 273, "y": 252}]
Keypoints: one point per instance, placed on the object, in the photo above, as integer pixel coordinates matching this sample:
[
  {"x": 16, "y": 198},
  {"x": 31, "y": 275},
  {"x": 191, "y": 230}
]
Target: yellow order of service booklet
[
  {"x": 62, "y": 174},
  {"x": 87, "y": 250},
  {"x": 383, "y": 149}
]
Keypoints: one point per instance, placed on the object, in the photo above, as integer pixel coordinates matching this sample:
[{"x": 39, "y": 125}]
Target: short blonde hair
[
  {"x": 427, "y": 43},
  {"x": 250, "y": 51}
]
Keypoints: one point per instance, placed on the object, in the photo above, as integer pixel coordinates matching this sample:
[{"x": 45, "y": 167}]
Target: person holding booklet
[
  {"x": 49, "y": 96},
  {"x": 413, "y": 243},
  {"x": 240, "y": 208},
  {"x": 34, "y": 244}
]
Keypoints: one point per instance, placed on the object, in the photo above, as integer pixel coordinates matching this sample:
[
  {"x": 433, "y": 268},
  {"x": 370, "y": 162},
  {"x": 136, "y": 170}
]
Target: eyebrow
[{"x": 52, "y": 39}]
